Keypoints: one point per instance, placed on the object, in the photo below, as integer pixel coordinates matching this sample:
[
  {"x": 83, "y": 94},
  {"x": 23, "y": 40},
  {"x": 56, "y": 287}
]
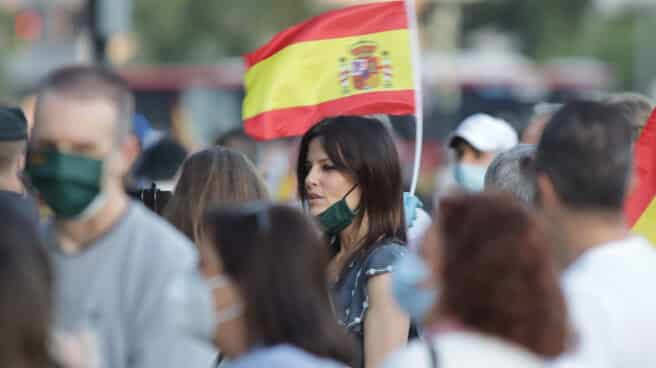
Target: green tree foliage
[
  {"x": 8, "y": 45},
  {"x": 539, "y": 24},
  {"x": 194, "y": 31},
  {"x": 556, "y": 28}
]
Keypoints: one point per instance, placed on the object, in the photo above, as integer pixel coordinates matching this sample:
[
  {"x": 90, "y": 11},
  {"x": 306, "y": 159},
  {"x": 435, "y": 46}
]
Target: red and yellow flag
[
  {"x": 641, "y": 205},
  {"x": 353, "y": 61}
]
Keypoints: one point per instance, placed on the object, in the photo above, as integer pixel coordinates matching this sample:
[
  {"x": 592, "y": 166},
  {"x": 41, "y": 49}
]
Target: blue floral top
[{"x": 350, "y": 292}]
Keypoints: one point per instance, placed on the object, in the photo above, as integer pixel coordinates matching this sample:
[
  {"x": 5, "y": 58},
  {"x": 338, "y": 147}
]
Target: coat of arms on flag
[{"x": 366, "y": 67}]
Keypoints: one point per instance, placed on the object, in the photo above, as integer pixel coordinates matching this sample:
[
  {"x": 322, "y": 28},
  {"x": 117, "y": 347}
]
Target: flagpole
[{"x": 415, "y": 46}]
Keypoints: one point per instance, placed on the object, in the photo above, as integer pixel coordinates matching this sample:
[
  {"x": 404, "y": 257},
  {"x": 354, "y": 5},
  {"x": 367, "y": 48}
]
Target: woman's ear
[{"x": 546, "y": 192}]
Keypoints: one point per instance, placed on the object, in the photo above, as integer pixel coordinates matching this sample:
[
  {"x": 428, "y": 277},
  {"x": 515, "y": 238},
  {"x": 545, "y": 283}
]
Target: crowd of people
[{"x": 526, "y": 261}]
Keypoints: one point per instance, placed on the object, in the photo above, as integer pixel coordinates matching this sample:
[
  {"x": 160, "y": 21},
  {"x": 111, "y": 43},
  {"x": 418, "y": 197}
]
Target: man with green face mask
[{"x": 114, "y": 261}]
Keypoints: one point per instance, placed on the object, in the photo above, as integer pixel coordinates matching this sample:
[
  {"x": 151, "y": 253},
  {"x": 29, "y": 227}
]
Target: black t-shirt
[{"x": 24, "y": 204}]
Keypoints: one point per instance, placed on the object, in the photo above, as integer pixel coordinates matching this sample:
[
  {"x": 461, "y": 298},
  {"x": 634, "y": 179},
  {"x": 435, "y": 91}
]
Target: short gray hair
[
  {"x": 638, "y": 108},
  {"x": 507, "y": 173},
  {"x": 82, "y": 81}
]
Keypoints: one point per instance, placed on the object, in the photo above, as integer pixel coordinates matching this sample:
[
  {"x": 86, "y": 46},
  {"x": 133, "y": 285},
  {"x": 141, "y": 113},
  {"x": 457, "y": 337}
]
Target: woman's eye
[{"x": 328, "y": 167}]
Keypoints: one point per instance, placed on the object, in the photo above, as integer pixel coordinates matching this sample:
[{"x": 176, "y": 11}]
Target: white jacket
[{"x": 465, "y": 350}]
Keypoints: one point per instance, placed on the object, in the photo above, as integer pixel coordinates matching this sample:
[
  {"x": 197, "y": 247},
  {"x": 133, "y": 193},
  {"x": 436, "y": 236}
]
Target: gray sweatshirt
[{"x": 117, "y": 290}]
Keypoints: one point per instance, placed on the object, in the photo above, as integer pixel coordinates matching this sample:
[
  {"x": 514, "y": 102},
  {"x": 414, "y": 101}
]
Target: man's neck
[
  {"x": 587, "y": 230},
  {"x": 11, "y": 183},
  {"x": 75, "y": 235}
]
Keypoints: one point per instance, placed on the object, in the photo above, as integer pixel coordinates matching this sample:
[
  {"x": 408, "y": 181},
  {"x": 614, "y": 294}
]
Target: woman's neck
[
  {"x": 443, "y": 325},
  {"x": 231, "y": 338},
  {"x": 350, "y": 240},
  {"x": 351, "y": 237}
]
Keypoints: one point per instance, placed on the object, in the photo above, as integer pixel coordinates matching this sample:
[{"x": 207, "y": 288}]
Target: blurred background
[{"x": 182, "y": 59}]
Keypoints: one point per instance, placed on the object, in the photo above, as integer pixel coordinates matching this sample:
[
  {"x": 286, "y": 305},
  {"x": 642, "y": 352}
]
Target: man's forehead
[
  {"x": 74, "y": 99},
  {"x": 70, "y": 113}
]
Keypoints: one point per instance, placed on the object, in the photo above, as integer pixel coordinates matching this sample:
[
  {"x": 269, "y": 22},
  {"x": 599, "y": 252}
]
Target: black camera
[{"x": 153, "y": 198}]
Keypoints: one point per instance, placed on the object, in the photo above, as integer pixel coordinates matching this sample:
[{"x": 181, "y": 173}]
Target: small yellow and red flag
[
  {"x": 640, "y": 207},
  {"x": 352, "y": 61}
]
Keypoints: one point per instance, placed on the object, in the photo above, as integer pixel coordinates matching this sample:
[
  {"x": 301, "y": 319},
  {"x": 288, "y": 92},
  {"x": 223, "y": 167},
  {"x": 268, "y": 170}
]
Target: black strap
[
  {"x": 433, "y": 354},
  {"x": 218, "y": 361}
]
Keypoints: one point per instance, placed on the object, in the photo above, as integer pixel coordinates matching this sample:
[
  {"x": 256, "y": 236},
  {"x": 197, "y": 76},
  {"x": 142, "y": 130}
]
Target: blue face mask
[
  {"x": 471, "y": 177},
  {"x": 413, "y": 299}
]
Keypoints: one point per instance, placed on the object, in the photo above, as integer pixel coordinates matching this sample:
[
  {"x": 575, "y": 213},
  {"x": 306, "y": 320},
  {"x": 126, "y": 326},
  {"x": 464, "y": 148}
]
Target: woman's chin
[{"x": 315, "y": 210}]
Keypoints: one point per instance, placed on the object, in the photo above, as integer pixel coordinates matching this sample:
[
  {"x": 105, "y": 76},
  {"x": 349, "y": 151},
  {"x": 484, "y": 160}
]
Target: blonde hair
[{"x": 210, "y": 178}]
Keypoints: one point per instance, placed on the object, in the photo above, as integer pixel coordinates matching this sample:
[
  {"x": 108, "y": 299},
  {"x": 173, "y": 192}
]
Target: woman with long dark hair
[
  {"x": 25, "y": 292},
  {"x": 349, "y": 177},
  {"x": 266, "y": 264}
]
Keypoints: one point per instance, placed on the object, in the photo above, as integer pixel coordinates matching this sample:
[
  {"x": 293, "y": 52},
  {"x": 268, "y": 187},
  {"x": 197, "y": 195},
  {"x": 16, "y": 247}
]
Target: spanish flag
[
  {"x": 641, "y": 204},
  {"x": 353, "y": 61}
]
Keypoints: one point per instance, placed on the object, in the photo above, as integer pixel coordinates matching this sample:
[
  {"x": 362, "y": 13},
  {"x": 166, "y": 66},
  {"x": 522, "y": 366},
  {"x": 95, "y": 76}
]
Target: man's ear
[
  {"x": 634, "y": 180},
  {"x": 546, "y": 191},
  {"x": 127, "y": 152},
  {"x": 20, "y": 163}
]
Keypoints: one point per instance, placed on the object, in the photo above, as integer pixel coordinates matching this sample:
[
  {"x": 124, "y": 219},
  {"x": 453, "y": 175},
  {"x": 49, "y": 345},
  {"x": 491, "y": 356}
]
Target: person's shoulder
[
  {"x": 24, "y": 206},
  {"x": 384, "y": 256},
  {"x": 289, "y": 356},
  {"x": 621, "y": 263},
  {"x": 153, "y": 225},
  {"x": 284, "y": 356},
  {"x": 416, "y": 354},
  {"x": 455, "y": 348},
  {"x": 153, "y": 235}
]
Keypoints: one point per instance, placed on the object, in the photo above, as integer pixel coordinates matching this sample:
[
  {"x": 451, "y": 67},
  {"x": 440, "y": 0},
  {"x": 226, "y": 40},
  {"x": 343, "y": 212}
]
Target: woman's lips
[{"x": 314, "y": 197}]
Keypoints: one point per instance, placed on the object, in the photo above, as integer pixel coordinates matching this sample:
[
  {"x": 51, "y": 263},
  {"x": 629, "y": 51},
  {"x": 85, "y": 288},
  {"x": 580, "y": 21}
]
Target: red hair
[{"x": 498, "y": 275}]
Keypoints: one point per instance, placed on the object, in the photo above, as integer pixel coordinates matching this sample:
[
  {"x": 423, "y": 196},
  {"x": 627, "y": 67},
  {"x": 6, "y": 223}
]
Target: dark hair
[
  {"x": 25, "y": 293},
  {"x": 276, "y": 257},
  {"x": 238, "y": 140},
  {"x": 498, "y": 275},
  {"x": 586, "y": 152},
  {"x": 363, "y": 149},
  {"x": 458, "y": 144},
  {"x": 211, "y": 177},
  {"x": 83, "y": 82},
  {"x": 162, "y": 160}
]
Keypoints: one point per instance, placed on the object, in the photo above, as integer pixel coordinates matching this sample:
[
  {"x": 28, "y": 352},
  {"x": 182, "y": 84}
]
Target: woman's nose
[{"x": 311, "y": 180}]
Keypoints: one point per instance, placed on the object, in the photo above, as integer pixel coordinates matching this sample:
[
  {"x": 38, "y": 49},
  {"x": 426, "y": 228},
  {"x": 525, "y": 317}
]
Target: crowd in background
[{"x": 526, "y": 260}]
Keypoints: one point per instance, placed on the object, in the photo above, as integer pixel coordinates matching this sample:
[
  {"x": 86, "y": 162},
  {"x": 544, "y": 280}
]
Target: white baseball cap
[{"x": 486, "y": 133}]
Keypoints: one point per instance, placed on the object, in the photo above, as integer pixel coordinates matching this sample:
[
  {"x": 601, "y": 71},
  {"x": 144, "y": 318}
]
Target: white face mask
[
  {"x": 194, "y": 311},
  {"x": 470, "y": 177},
  {"x": 227, "y": 314}
]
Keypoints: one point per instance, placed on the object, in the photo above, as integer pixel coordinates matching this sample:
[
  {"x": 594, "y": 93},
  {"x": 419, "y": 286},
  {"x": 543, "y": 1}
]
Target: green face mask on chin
[
  {"x": 68, "y": 183},
  {"x": 337, "y": 217}
]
